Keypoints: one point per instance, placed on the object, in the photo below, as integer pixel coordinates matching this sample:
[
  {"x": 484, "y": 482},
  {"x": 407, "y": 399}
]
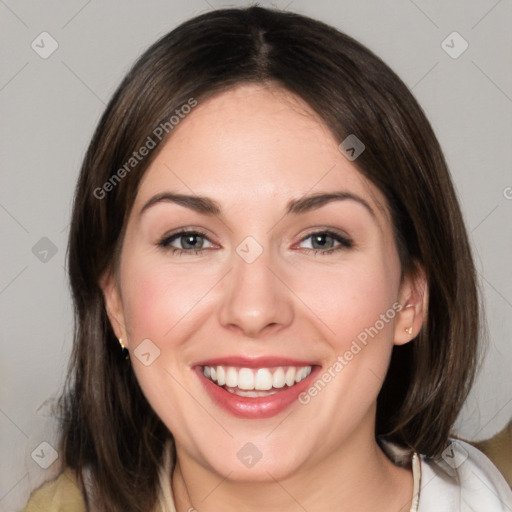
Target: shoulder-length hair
[{"x": 108, "y": 425}]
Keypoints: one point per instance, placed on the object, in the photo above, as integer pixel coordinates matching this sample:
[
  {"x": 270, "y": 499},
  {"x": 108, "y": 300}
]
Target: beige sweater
[{"x": 62, "y": 494}]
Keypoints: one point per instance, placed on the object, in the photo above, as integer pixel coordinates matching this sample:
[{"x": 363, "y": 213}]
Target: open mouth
[
  {"x": 256, "y": 382},
  {"x": 257, "y": 387}
]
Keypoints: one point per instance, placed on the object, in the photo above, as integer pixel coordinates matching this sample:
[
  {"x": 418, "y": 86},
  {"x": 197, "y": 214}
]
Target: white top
[{"x": 462, "y": 480}]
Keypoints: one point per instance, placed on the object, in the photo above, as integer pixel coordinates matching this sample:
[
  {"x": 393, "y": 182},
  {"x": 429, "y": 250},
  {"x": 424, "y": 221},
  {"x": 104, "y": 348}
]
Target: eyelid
[{"x": 334, "y": 232}]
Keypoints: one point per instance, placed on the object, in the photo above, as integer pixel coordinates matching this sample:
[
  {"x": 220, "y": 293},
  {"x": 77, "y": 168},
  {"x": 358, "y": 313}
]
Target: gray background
[{"x": 51, "y": 106}]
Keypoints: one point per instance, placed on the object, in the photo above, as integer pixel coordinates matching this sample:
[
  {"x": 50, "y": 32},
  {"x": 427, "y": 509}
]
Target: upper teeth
[{"x": 260, "y": 378}]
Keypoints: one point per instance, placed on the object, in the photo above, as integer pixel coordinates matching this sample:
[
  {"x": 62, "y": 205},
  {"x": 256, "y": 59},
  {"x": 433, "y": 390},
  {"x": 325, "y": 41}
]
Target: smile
[{"x": 255, "y": 388}]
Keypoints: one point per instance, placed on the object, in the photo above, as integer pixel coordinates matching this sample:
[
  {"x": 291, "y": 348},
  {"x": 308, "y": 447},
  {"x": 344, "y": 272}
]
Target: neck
[{"x": 355, "y": 477}]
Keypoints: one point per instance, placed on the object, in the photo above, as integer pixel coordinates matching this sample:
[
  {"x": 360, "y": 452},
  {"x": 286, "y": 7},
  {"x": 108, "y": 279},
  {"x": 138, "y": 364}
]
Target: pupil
[
  {"x": 320, "y": 239},
  {"x": 189, "y": 241}
]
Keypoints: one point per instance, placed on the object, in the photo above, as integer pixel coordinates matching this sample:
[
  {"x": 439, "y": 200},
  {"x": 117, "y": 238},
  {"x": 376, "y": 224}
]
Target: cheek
[
  {"x": 350, "y": 300},
  {"x": 159, "y": 298},
  {"x": 145, "y": 300}
]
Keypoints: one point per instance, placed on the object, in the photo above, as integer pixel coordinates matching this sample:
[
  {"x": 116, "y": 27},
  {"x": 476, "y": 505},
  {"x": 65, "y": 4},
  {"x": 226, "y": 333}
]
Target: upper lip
[{"x": 255, "y": 362}]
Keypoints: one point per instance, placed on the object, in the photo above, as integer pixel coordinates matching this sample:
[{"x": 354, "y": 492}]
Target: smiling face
[{"x": 267, "y": 280}]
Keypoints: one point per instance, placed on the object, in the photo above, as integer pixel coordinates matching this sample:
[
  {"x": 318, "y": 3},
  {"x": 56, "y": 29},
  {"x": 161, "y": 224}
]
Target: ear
[
  {"x": 413, "y": 297},
  {"x": 114, "y": 305}
]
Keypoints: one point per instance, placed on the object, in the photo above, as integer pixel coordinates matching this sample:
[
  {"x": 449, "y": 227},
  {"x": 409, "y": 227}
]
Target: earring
[
  {"x": 124, "y": 350},
  {"x": 408, "y": 330}
]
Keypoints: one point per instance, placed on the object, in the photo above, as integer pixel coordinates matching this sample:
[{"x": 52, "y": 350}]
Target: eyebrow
[{"x": 208, "y": 206}]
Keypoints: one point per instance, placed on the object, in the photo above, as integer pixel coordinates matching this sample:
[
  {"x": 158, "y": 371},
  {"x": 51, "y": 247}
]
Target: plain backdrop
[{"x": 50, "y": 106}]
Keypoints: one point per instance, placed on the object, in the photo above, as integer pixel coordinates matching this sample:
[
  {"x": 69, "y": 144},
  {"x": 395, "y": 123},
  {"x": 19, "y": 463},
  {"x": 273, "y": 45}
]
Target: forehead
[{"x": 252, "y": 143}]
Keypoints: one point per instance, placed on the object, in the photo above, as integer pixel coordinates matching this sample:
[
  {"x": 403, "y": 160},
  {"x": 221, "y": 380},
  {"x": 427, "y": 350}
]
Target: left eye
[{"x": 323, "y": 241}]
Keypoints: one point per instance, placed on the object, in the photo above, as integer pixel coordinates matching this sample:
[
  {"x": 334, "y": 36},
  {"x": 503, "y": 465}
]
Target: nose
[{"x": 255, "y": 298}]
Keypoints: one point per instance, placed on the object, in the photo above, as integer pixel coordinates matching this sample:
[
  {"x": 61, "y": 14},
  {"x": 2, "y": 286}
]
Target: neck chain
[{"x": 189, "y": 499}]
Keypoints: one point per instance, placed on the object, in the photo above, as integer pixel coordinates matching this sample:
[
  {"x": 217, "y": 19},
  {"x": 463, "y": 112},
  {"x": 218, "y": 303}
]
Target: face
[{"x": 297, "y": 302}]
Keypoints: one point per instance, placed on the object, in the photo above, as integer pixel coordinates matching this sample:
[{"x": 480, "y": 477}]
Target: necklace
[{"x": 191, "y": 508}]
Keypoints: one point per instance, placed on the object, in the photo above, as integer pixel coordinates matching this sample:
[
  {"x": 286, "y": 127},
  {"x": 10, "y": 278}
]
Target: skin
[{"x": 253, "y": 149}]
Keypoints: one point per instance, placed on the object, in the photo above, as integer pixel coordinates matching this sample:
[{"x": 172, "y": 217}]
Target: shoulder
[
  {"x": 60, "y": 495},
  {"x": 499, "y": 449},
  {"x": 462, "y": 479}
]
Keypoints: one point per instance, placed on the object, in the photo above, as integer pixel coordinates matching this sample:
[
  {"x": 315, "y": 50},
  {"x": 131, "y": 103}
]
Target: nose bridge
[{"x": 254, "y": 297}]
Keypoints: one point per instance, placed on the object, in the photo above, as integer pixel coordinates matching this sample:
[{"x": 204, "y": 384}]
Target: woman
[{"x": 275, "y": 297}]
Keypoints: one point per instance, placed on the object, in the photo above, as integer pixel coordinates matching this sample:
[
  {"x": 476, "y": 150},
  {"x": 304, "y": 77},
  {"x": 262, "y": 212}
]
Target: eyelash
[{"x": 344, "y": 243}]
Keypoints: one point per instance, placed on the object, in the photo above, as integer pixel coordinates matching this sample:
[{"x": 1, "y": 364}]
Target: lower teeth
[{"x": 253, "y": 392}]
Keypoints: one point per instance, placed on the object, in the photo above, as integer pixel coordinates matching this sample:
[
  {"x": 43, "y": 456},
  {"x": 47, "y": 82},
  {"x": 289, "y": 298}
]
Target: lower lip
[{"x": 255, "y": 407}]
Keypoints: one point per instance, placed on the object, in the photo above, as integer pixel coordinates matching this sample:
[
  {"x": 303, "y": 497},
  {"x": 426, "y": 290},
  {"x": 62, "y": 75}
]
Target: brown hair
[{"x": 108, "y": 425}]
